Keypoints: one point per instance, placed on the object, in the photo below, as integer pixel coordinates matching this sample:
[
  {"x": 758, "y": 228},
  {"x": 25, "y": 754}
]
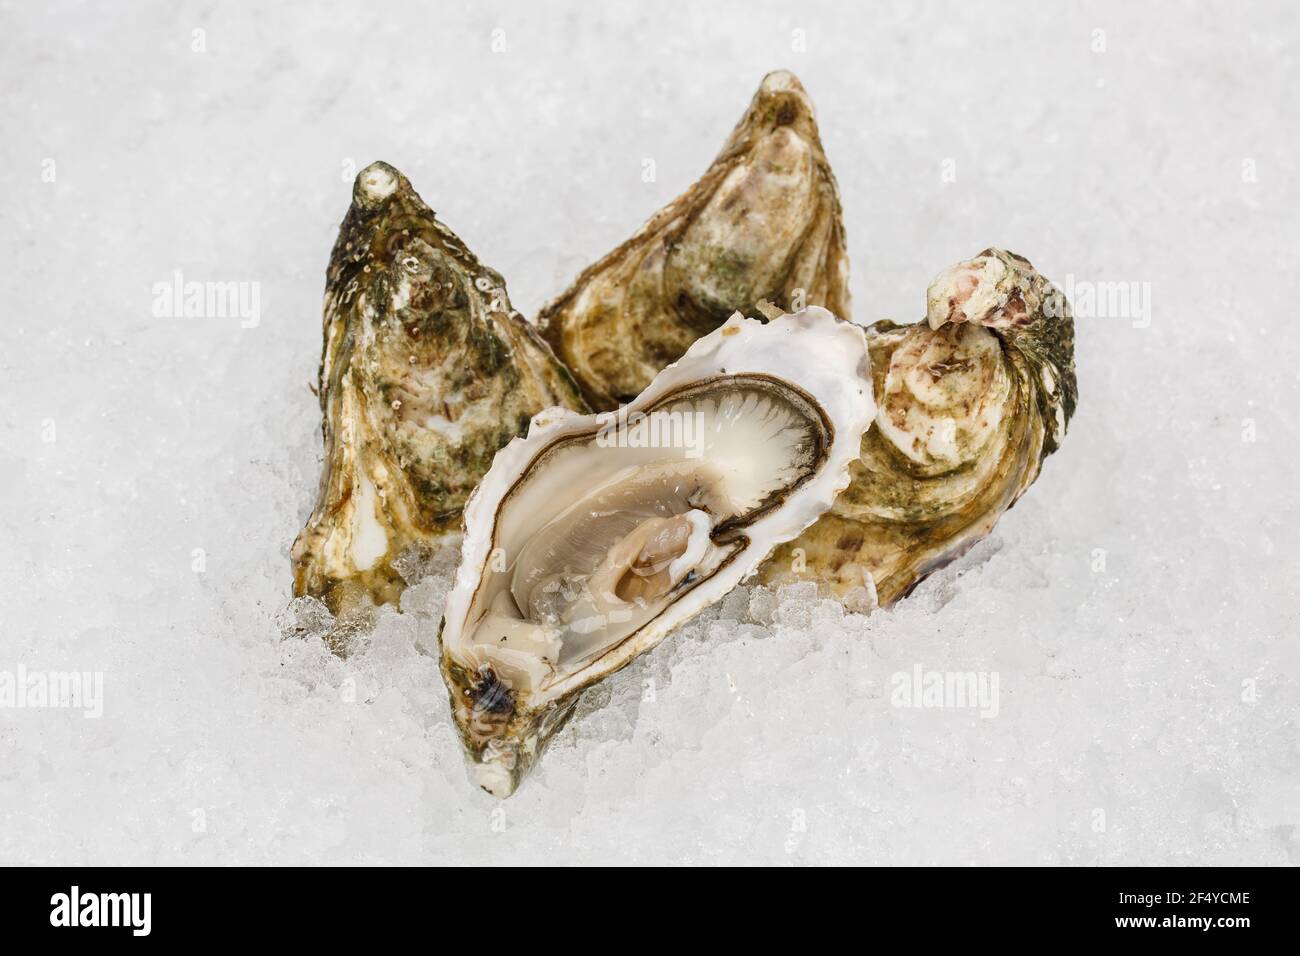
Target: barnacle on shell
[
  {"x": 426, "y": 371},
  {"x": 763, "y": 223},
  {"x": 970, "y": 402}
]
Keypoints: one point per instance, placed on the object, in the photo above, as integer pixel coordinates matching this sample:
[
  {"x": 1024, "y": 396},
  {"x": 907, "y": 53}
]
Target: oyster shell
[
  {"x": 764, "y": 222},
  {"x": 425, "y": 373},
  {"x": 592, "y": 538},
  {"x": 970, "y": 403}
]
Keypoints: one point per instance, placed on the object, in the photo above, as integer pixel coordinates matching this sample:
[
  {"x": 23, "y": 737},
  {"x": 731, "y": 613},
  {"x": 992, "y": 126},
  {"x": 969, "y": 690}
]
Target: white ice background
[{"x": 1138, "y": 606}]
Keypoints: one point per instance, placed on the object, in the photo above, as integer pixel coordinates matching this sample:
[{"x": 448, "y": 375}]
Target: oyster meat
[
  {"x": 763, "y": 223},
  {"x": 426, "y": 372},
  {"x": 591, "y": 539},
  {"x": 970, "y": 403}
]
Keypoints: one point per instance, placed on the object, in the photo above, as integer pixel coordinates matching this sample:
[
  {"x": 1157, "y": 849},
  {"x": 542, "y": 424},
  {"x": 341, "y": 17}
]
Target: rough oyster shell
[
  {"x": 970, "y": 403},
  {"x": 588, "y": 541},
  {"x": 763, "y": 223},
  {"x": 425, "y": 373}
]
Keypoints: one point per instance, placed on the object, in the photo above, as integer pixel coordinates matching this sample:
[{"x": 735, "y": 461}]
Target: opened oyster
[
  {"x": 970, "y": 403},
  {"x": 426, "y": 372},
  {"x": 591, "y": 539},
  {"x": 763, "y": 223}
]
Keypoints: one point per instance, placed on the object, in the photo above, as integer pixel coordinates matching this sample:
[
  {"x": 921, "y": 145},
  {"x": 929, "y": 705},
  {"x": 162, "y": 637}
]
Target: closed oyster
[
  {"x": 426, "y": 372},
  {"x": 970, "y": 403},
  {"x": 591, "y": 539},
  {"x": 763, "y": 223}
]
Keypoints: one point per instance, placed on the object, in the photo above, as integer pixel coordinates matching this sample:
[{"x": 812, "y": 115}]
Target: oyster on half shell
[
  {"x": 425, "y": 373},
  {"x": 763, "y": 223},
  {"x": 592, "y": 538},
  {"x": 970, "y": 403}
]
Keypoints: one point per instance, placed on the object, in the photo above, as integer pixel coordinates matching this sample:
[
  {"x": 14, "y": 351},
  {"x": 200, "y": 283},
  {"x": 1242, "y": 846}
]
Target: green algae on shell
[
  {"x": 426, "y": 372},
  {"x": 764, "y": 222},
  {"x": 971, "y": 402}
]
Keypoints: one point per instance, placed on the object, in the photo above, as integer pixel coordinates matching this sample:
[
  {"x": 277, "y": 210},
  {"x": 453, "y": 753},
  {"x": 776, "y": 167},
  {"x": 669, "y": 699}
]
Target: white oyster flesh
[
  {"x": 583, "y": 569},
  {"x": 588, "y": 541}
]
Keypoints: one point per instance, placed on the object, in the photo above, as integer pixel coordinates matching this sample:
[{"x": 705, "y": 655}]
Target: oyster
[
  {"x": 426, "y": 372},
  {"x": 970, "y": 403},
  {"x": 591, "y": 539},
  {"x": 764, "y": 222}
]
